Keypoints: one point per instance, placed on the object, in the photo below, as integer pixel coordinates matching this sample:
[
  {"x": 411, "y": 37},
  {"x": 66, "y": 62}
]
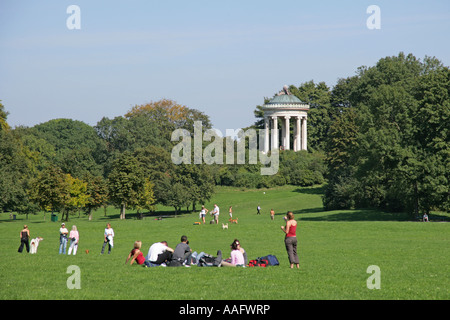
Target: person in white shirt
[
  {"x": 109, "y": 238},
  {"x": 63, "y": 232},
  {"x": 216, "y": 213},
  {"x": 159, "y": 253}
]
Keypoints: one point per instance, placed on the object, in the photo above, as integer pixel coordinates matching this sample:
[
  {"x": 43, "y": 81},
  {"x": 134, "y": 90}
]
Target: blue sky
[{"x": 220, "y": 57}]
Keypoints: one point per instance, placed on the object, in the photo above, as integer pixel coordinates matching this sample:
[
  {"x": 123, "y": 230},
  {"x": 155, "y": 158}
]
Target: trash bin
[
  {"x": 14, "y": 217},
  {"x": 54, "y": 218}
]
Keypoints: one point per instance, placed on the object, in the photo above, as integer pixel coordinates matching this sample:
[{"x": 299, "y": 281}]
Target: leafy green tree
[
  {"x": 77, "y": 196},
  {"x": 70, "y": 145},
  {"x": 320, "y": 114},
  {"x": 97, "y": 191},
  {"x": 17, "y": 167},
  {"x": 3, "y": 115},
  {"x": 50, "y": 189},
  {"x": 126, "y": 183},
  {"x": 146, "y": 198}
]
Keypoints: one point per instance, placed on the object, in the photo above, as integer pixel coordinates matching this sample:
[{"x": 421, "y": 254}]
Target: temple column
[
  {"x": 286, "y": 133},
  {"x": 304, "y": 132},
  {"x": 275, "y": 133},
  {"x": 297, "y": 134},
  {"x": 266, "y": 134}
]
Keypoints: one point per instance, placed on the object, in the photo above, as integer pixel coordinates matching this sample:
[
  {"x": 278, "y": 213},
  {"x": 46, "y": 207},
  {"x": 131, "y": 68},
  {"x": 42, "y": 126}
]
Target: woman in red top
[
  {"x": 291, "y": 239},
  {"x": 136, "y": 254}
]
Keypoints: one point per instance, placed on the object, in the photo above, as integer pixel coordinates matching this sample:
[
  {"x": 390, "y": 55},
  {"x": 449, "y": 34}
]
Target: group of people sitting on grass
[{"x": 160, "y": 254}]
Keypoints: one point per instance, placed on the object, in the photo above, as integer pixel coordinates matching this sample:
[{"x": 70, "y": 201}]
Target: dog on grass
[
  {"x": 234, "y": 220},
  {"x": 34, "y": 244},
  {"x": 224, "y": 226}
]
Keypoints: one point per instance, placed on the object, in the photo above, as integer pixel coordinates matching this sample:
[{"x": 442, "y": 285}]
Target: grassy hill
[{"x": 335, "y": 250}]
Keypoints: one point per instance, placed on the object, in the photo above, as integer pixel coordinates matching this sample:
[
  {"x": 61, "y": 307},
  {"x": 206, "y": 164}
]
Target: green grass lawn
[{"x": 335, "y": 250}]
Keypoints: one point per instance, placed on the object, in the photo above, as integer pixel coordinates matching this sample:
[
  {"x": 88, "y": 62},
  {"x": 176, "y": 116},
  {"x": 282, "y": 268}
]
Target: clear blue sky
[{"x": 220, "y": 57}]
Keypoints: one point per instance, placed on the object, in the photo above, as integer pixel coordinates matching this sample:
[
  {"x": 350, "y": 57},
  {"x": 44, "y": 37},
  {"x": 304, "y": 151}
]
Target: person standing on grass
[
  {"x": 272, "y": 214},
  {"x": 24, "y": 239},
  {"x": 216, "y": 213},
  {"x": 258, "y": 209},
  {"x": 63, "y": 232},
  {"x": 203, "y": 213},
  {"x": 230, "y": 212},
  {"x": 74, "y": 237},
  {"x": 109, "y": 236},
  {"x": 290, "y": 239}
]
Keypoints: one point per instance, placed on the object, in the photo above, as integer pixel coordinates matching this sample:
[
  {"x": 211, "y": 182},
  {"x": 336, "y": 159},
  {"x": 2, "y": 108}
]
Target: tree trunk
[
  {"x": 416, "y": 199},
  {"x": 90, "y": 214},
  {"x": 122, "y": 212}
]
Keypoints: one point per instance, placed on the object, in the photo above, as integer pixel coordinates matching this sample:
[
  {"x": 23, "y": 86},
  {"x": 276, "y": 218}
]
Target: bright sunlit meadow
[{"x": 335, "y": 249}]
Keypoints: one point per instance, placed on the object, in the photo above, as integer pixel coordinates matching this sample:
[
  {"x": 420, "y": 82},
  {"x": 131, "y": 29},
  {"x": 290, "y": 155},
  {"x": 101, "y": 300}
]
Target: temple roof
[{"x": 285, "y": 99}]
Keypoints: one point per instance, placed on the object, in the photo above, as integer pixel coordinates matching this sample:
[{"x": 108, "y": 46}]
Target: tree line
[{"x": 378, "y": 139}]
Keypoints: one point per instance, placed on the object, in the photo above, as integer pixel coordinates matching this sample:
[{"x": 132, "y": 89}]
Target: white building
[{"x": 283, "y": 108}]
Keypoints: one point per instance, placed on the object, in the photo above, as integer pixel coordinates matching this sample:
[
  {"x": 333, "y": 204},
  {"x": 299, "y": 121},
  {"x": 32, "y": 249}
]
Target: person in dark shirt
[
  {"x": 182, "y": 254},
  {"x": 24, "y": 239}
]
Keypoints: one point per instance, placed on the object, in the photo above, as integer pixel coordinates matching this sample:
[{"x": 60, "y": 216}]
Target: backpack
[
  {"x": 206, "y": 261},
  {"x": 273, "y": 261},
  {"x": 210, "y": 261},
  {"x": 259, "y": 262}
]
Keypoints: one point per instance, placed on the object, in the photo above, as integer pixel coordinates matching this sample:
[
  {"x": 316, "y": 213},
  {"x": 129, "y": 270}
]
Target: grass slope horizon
[{"x": 335, "y": 250}]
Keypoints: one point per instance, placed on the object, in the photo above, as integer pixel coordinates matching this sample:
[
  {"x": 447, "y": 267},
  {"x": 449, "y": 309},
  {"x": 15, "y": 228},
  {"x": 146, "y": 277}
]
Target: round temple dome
[{"x": 285, "y": 99}]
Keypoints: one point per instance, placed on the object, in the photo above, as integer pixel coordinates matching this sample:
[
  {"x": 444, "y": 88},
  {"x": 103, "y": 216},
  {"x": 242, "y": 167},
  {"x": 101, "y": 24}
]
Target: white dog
[
  {"x": 224, "y": 226},
  {"x": 34, "y": 244}
]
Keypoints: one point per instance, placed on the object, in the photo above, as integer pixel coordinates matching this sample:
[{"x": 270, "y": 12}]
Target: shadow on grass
[
  {"x": 158, "y": 215},
  {"x": 318, "y": 214},
  {"x": 317, "y": 190},
  {"x": 352, "y": 215}
]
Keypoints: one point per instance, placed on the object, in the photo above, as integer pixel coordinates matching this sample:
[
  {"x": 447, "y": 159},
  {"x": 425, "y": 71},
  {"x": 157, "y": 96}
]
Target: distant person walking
[
  {"x": 258, "y": 209},
  {"x": 290, "y": 239},
  {"x": 108, "y": 238},
  {"x": 24, "y": 239},
  {"x": 272, "y": 214}
]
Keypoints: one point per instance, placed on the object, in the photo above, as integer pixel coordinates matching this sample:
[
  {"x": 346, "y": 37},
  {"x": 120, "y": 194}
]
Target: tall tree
[
  {"x": 50, "y": 189},
  {"x": 126, "y": 183},
  {"x": 17, "y": 167},
  {"x": 97, "y": 191}
]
